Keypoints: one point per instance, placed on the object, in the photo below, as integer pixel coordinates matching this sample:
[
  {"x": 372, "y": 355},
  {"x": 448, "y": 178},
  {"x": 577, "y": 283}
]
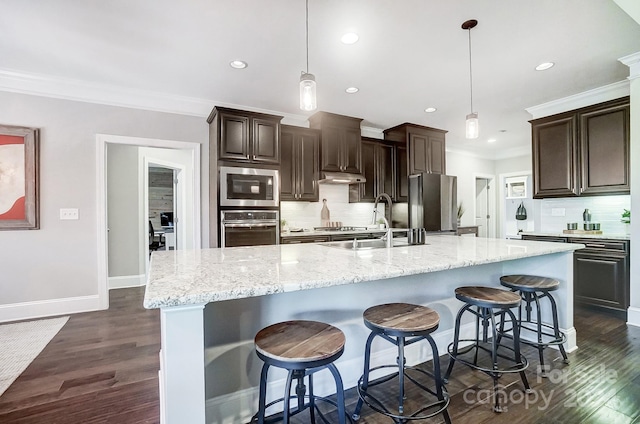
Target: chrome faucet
[{"x": 389, "y": 233}]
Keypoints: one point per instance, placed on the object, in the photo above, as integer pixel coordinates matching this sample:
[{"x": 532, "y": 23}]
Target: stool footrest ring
[{"x": 518, "y": 367}]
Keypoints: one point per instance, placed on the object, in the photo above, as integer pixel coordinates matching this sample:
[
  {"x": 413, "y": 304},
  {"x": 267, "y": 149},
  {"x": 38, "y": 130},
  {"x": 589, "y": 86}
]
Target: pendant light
[
  {"x": 472, "y": 129},
  {"x": 307, "y": 80}
]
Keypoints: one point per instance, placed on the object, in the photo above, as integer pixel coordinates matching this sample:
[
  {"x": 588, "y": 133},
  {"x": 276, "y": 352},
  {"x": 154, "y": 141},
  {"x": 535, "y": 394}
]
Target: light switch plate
[
  {"x": 69, "y": 213},
  {"x": 557, "y": 211}
]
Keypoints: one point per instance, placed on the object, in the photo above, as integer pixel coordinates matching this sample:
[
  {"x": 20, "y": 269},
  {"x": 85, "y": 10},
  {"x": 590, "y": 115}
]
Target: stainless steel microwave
[{"x": 248, "y": 187}]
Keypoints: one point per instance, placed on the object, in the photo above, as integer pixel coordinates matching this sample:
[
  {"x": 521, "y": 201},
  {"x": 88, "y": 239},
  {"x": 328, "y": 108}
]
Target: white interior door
[{"x": 482, "y": 206}]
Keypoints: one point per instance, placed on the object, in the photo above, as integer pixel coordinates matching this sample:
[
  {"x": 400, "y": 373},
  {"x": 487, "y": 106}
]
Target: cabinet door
[
  {"x": 555, "y": 155},
  {"x": 368, "y": 190},
  {"x": 604, "y": 147},
  {"x": 265, "y": 146},
  {"x": 287, "y": 166},
  {"x": 437, "y": 155},
  {"x": 402, "y": 174},
  {"x": 234, "y": 137},
  {"x": 601, "y": 279},
  {"x": 308, "y": 162},
  {"x": 386, "y": 170},
  {"x": 331, "y": 149},
  {"x": 351, "y": 150},
  {"x": 419, "y": 153}
]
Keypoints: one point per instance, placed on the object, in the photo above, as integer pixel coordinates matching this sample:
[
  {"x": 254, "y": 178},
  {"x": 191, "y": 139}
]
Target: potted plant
[
  {"x": 460, "y": 212},
  {"x": 626, "y": 219}
]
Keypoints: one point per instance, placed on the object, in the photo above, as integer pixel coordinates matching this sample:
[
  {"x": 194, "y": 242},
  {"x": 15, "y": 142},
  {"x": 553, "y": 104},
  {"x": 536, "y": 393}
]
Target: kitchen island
[{"x": 213, "y": 301}]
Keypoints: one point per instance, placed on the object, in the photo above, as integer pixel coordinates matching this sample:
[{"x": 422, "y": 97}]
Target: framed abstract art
[{"x": 19, "y": 195}]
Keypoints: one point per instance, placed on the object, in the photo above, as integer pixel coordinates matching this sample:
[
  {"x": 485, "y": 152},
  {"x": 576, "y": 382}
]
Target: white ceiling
[{"x": 412, "y": 54}]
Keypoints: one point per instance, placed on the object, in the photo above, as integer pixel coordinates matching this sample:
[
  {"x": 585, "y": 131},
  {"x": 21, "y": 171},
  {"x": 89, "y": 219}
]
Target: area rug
[{"x": 21, "y": 343}]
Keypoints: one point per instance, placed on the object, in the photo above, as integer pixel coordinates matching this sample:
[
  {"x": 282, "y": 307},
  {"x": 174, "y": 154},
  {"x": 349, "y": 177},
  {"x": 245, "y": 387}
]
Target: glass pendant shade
[
  {"x": 308, "y": 92},
  {"x": 472, "y": 125}
]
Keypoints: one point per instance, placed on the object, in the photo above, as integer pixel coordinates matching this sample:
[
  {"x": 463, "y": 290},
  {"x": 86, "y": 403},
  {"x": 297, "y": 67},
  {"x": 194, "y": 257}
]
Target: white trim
[
  {"x": 633, "y": 62},
  {"x": 586, "y": 98},
  {"x": 48, "y": 308},
  {"x": 633, "y": 316},
  {"x": 101, "y": 196},
  {"x": 91, "y": 92},
  {"x": 126, "y": 281}
]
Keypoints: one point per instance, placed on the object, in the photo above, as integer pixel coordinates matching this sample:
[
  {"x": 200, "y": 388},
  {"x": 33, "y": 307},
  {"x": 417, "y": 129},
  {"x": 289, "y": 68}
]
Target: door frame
[
  {"x": 503, "y": 195},
  {"x": 101, "y": 199},
  {"x": 491, "y": 200}
]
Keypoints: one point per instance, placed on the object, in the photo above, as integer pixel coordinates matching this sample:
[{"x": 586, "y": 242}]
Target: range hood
[{"x": 341, "y": 178}]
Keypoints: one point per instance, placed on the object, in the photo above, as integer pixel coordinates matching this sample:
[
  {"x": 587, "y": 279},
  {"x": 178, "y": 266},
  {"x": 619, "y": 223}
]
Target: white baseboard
[
  {"x": 240, "y": 406},
  {"x": 127, "y": 281},
  {"x": 47, "y": 308},
  {"x": 633, "y": 316}
]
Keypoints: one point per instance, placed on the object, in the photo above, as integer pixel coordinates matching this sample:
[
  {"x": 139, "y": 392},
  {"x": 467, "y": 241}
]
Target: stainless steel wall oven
[{"x": 249, "y": 227}]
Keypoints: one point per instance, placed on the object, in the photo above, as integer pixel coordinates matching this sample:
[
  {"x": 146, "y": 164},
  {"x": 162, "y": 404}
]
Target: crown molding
[
  {"x": 633, "y": 62},
  {"x": 84, "y": 91},
  {"x": 586, "y": 98}
]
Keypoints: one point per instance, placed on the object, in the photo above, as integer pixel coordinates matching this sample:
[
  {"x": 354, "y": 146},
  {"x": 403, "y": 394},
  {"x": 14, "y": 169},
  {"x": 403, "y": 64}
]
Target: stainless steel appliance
[
  {"x": 249, "y": 187},
  {"x": 249, "y": 227},
  {"x": 433, "y": 202}
]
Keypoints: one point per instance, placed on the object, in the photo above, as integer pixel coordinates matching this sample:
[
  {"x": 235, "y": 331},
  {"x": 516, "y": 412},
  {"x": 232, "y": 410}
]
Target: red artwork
[{"x": 12, "y": 178}]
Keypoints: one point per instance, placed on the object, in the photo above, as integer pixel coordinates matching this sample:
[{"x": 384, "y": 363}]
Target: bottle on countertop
[
  {"x": 586, "y": 216},
  {"x": 325, "y": 215}
]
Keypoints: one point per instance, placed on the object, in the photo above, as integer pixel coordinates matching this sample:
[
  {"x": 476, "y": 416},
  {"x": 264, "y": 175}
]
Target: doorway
[
  {"x": 184, "y": 157},
  {"x": 484, "y": 205}
]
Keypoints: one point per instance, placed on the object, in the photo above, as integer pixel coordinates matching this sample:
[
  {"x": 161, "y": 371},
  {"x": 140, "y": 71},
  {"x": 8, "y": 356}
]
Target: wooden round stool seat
[
  {"x": 488, "y": 297},
  {"x": 300, "y": 341},
  {"x": 303, "y": 348},
  {"x": 529, "y": 283},
  {"x": 401, "y": 319}
]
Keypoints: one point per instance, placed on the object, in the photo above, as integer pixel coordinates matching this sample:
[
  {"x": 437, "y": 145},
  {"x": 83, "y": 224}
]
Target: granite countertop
[
  {"x": 314, "y": 233},
  {"x": 186, "y": 277},
  {"x": 610, "y": 236}
]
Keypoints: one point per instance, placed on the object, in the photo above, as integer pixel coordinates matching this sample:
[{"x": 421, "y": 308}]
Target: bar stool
[
  {"x": 402, "y": 324},
  {"x": 302, "y": 348},
  {"x": 489, "y": 302},
  {"x": 532, "y": 288}
]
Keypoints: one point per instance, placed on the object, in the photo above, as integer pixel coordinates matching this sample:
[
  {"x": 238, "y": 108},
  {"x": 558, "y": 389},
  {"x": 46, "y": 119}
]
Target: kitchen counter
[
  {"x": 610, "y": 236},
  {"x": 213, "y": 301}
]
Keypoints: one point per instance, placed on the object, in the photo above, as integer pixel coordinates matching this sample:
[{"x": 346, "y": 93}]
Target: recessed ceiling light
[
  {"x": 491, "y": 140},
  {"x": 238, "y": 64},
  {"x": 544, "y": 66},
  {"x": 349, "y": 38},
  {"x": 430, "y": 109},
  {"x": 352, "y": 90}
]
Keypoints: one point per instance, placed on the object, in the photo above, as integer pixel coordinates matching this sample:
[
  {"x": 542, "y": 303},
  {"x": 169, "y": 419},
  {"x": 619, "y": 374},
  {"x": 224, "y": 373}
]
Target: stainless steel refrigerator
[{"x": 433, "y": 202}]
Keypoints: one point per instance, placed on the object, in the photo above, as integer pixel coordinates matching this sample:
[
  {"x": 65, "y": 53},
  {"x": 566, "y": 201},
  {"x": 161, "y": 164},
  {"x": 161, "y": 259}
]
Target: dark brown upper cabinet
[
  {"x": 340, "y": 149},
  {"x": 378, "y": 167},
  {"x": 299, "y": 168},
  {"x": 582, "y": 152},
  {"x": 244, "y": 136},
  {"x": 425, "y": 147}
]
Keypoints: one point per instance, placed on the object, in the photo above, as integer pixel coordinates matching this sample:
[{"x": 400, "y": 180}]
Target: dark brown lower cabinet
[{"x": 601, "y": 274}]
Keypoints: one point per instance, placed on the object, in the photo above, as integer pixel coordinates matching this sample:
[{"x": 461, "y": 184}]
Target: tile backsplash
[
  {"x": 607, "y": 210},
  {"x": 307, "y": 214}
]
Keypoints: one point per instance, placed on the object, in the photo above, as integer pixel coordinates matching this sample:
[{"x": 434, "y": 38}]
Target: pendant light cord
[
  {"x": 307, "y": 30},
  {"x": 470, "y": 71}
]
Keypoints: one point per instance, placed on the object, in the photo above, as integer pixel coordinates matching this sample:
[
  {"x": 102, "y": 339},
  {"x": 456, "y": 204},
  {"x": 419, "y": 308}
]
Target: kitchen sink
[{"x": 365, "y": 244}]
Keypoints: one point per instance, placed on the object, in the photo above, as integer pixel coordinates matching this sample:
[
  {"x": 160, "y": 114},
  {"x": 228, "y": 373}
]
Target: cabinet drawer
[
  {"x": 545, "y": 238},
  {"x": 618, "y": 246},
  {"x": 304, "y": 239}
]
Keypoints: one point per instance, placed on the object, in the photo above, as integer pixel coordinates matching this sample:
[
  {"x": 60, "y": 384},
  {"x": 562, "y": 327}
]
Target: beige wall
[{"x": 57, "y": 265}]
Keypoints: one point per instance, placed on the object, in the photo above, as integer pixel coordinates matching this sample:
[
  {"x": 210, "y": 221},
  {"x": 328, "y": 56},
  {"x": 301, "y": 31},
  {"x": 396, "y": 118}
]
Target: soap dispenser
[{"x": 325, "y": 216}]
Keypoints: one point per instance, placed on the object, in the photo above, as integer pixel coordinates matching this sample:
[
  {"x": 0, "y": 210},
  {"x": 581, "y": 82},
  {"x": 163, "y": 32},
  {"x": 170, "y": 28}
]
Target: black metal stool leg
[
  {"x": 456, "y": 337},
  {"x": 556, "y": 326},
  {"x": 263, "y": 393},
  {"x": 312, "y": 400},
  {"x": 438, "y": 377},
  {"x": 287, "y": 395},
  {"x": 539, "y": 331},
  {"x": 339, "y": 393},
  {"x": 365, "y": 375},
  {"x": 401, "y": 375},
  {"x": 516, "y": 349}
]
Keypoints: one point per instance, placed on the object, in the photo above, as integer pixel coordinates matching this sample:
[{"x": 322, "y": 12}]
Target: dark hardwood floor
[{"x": 102, "y": 368}]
